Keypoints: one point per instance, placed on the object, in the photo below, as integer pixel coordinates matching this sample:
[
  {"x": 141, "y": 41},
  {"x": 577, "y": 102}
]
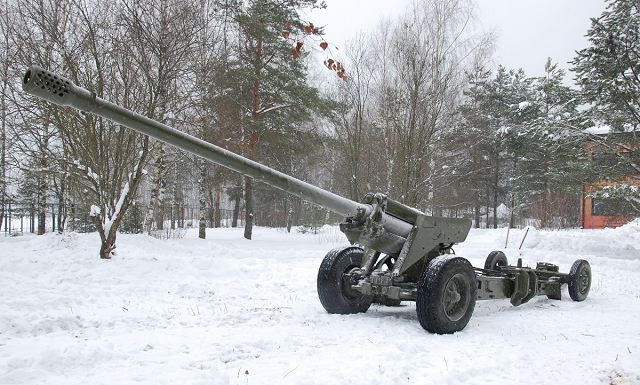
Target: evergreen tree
[
  {"x": 475, "y": 137},
  {"x": 490, "y": 116},
  {"x": 270, "y": 78},
  {"x": 546, "y": 154},
  {"x": 608, "y": 72},
  {"x": 507, "y": 89}
]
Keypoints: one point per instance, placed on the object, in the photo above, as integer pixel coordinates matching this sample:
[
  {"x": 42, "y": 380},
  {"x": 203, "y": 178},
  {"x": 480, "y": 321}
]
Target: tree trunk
[
  {"x": 174, "y": 197},
  {"x": 496, "y": 179},
  {"x": 3, "y": 163},
  {"x": 107, "y": 235},
  {"x": 211, "y": 213},
  {"x": 253, "y": 139},
  {"x": 174, "y": 214},
  {"x": 488, "y": 203},
  {"x": 107, "y": 246},
  {"x": 512, "y": 211},
  {"x": 236, "y": 206},
  {"x": 289, "y": 208},
  {"x": 476, "y": 211},
  {"x": 162, "y": 182},
  {"x": 62, "y": 201},
  {"x": 3, "y": 133},
  {"x": 125, "y": 199},
  {"x": 545, "y": 220},
  {"x": 202, "y": 224},
  {"x": 154, "y": 212},
  {"x": 217, "y": 217},
  {"x": 32, "y": 219},
  {"x": 42, "y": 203},
  {"x": 248, "y": 207}
]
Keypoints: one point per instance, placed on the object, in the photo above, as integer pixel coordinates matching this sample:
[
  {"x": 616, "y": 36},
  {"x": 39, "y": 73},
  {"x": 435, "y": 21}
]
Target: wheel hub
[
  {"x": 456, "y": 298},
  {"x": 350, "y": 278}
]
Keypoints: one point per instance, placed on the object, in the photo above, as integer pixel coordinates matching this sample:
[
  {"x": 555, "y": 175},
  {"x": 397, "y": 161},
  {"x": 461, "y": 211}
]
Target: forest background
[{"x": 415, "y": 108}]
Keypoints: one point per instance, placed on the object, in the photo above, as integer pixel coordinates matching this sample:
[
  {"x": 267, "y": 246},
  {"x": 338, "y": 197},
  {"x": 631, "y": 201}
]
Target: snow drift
[{"x": 230, "y": 311}]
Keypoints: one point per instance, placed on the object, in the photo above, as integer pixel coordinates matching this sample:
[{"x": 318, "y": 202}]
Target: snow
[
  {"x": 598, "y": 130},
  {"x": 523, "y": 105},
  {"x": 109, "y": 221},
  {"x": 503, "y": 211},
  {"x": 230, "y": 311},
  {"x": 606, "y": 129},
  {"x": 92, "y": 174},
  {"x": 94, "y": 211},
  {"x": 503, "y": 130}
]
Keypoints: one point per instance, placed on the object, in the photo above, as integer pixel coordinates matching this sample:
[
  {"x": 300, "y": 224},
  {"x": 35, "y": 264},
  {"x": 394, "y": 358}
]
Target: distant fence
[
  {"x": 20, "y": 218},
  {"x": 23, "y": 217}
]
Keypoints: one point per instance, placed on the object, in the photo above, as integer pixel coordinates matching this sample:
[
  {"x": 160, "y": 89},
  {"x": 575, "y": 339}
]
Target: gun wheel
[
  {"x": 579, "y": 280},
  {"x": 446, "y": 295},
  {"x": 495, "y": 260},
  {"x": 334, "y": 288}
]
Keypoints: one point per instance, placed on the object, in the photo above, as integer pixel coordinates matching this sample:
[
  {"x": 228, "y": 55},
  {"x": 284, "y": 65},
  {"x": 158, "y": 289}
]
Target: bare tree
[
  {"x": 7, "y": 56},
  {"x": 105, "y": 161},
  {"x": 405, "y": 84},
  {"x": 162, "y": 38},
  {"x": 355, "y": 116},
  {"x": 36, "y": 35}
]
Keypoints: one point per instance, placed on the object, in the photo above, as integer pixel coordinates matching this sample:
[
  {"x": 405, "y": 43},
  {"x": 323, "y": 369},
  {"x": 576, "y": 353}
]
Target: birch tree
[
  {"x": 7, "y": 56},
  {"x": 162, "y": 38}
]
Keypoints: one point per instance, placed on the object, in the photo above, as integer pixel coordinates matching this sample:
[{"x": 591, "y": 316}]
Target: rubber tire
[
  {"x": 332, "y": 296},
  {"x": 495, "y": 259},
  {"x": 574, "y": 280},
  {"x": 431, "y": 286}
]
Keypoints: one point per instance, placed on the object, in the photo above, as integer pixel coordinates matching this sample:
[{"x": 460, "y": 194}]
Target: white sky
[{"x": 528, "y": 31}]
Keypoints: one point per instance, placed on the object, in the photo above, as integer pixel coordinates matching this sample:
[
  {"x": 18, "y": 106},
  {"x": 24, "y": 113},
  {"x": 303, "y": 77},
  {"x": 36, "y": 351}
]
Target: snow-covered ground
[{"x": 230, "y": 311}]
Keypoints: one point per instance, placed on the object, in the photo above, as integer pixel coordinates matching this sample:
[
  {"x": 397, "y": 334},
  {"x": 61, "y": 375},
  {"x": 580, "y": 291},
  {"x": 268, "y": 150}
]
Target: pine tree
[
  {"x": 473, "y": 132},
  {"x": 608, "y": 73},
  {"x": 271, "y": 82},
  {"x": 546, "y": 154},
  {"x": 488, "y": 123},
  {"x": 506, "y": 90}
]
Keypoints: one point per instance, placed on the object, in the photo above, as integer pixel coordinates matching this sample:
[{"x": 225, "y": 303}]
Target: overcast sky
[{"x": 528, "y": 31}]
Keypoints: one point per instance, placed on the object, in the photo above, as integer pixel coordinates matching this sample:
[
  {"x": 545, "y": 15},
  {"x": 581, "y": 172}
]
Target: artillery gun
[{"x": 398, "y": 253}]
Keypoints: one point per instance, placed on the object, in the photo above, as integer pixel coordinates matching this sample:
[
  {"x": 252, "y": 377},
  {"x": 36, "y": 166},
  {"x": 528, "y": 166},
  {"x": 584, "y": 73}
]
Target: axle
[{"x": 518, "y": 283}]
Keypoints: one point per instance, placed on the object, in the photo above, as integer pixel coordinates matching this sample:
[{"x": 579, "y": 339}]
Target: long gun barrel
[{"x": 62, "y": 91}]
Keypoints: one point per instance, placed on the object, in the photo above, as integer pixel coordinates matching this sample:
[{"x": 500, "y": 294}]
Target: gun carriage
[{"x": 397, "y": 252}]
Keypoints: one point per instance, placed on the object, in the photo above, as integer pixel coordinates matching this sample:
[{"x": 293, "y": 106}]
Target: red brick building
[{"x": 598, "y": 213}]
